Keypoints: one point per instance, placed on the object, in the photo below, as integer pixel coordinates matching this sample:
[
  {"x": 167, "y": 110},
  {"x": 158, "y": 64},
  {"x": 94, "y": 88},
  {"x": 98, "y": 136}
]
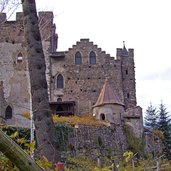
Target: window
[
  {"x": 92, "y": 58},
  {"x": 8, "y": 112},
  {"x": 78, "y": 58},
  {"x": 20, "y": 57},
  {"x": 126, "y": 72},
  {"x": 128, "y": 95},
  {"x": 102, "y": 116},
  {"x": 60, "y": 81},
  {"x": 59, "y": 100}
]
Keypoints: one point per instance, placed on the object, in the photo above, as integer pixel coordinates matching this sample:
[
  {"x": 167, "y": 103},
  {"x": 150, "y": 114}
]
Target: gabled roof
[{"x": 108, "y": 96}]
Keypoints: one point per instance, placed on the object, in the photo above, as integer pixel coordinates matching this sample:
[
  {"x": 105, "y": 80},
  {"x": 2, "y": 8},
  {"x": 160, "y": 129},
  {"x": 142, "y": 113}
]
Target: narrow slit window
[
  {"x": 20, "y": 57},
  {"x": 128, "y": 95}
]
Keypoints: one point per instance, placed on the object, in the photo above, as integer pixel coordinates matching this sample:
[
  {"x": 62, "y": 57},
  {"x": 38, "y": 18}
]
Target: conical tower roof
[
  {"x": 124, "y": 50},
  {"x": 108, "y": 96}
]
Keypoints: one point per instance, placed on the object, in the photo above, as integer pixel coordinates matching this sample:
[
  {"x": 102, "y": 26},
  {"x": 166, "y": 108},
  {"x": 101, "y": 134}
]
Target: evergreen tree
[
  {"x": 165, "y": 126},
  {"x": 151, "y": 117}
]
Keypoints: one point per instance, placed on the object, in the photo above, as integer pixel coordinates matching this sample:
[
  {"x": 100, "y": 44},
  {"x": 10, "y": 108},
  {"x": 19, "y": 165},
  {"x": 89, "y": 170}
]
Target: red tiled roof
[{"x": 108, "y": 96}]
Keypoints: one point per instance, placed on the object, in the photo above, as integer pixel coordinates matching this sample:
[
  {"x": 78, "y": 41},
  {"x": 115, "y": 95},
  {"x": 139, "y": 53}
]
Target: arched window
[
  {"x": 8, "y": 112},
  {"x": 59, "y": 100},
  {"x": 78, "y": 58},
  {"x": 20, "y": 57},
  {"x": 92, "y": 58},
  {"x": 102, "y": 116},
  {"x": 60, "y": 81}
]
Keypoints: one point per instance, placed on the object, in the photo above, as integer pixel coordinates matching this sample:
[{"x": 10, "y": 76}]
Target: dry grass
[{"x": 79, "y": 120}]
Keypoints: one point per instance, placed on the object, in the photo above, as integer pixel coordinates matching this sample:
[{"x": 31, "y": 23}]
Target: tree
[
  {"x": 164, "y": 125},
  {"x": 151, "y": 117},
  {"x": 44, "y": 126}
]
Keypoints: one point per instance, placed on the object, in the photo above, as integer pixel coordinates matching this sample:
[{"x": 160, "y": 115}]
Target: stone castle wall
[
  {"x": 13, "y": 59},
  {"x": 83, "y": 82},
  {"x": 92, "y": 141}
]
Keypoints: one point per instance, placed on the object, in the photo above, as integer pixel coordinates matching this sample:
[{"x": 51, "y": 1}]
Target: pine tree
[
  {"x": 165, "y": 126},
  {"x": 151, "y": 117}
]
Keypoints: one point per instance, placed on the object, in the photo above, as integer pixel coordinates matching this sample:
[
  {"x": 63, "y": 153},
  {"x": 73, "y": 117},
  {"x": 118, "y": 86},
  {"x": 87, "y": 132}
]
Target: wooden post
[
  {"x": 158, "y": 164},
  {"x": 16, "y": 154}
]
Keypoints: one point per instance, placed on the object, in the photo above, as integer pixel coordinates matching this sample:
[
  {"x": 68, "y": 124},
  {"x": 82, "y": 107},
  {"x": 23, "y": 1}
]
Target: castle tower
[
  {"x": 108, "y": 106},
  {"x": 14, "y": 60},
  {"x": 128, "y": 75}
]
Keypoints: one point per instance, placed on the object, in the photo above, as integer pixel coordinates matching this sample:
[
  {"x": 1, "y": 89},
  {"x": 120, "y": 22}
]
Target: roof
[
  {"x": 63, "y": 102},
  {"x": 108, "y": 96},
  {"x": 124, "y": 50},
  {"x": 57, "y": 55}
]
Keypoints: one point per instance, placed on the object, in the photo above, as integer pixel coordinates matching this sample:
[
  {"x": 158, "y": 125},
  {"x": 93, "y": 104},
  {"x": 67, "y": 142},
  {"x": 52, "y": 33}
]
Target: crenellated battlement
[
  {"x": 13, "y": 31},
  {"x": 42, "y": 15},
  {"x": 3, "y": 17},
  {"x": 119, "y": 53}
]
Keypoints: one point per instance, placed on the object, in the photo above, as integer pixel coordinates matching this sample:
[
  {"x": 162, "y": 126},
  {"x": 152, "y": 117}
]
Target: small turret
[
  {"x": 124, "y": 50},
  {"x": 108, "y": 107}
]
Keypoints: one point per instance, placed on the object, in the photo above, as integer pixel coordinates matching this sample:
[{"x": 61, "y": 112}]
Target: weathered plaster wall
[
  {"x": 15, "y": 73},
  {"x": 113, "y": 113},
  {"x": 3, "y": 103}
]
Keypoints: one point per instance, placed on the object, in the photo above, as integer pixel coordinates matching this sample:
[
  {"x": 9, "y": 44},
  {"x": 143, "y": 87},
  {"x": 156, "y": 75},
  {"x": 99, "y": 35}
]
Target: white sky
[{"x": 144, "y": 25}]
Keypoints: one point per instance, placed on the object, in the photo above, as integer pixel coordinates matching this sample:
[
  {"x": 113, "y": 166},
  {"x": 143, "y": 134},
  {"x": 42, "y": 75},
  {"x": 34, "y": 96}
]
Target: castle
[{"x": 82, "y": 80}]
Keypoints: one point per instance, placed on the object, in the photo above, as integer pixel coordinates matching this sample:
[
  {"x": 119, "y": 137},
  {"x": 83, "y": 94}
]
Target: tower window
[
  {"x": 60, "y": 81},
  {"x": 92, "y": 58},
  {"x": 78, "y": 58},
  {"x": 128, "y": 95},
  {"x": 126, "y": 72},
  {"x": 20, "y": 57}
]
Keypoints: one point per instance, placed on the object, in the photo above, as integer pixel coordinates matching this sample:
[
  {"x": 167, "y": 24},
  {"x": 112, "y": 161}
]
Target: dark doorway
[
  {"x": 8, "y": 112},
  {"x": 102, "y": 116},
  {"x": 59, "y": 110}
]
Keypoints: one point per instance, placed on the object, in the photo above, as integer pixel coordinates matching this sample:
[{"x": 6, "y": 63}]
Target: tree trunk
[
  {"x": 14, "y": 152},
  {"x": 44, "y": 126}
]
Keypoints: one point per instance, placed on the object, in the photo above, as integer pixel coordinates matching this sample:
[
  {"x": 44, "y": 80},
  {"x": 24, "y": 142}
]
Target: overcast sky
[{"x": 143, "y": 24}]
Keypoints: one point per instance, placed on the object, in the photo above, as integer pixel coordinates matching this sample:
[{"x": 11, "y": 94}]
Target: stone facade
[
  {"x": 13, "y": 61},
  {"x": 75, "y": 77},
  {"x": 91, "y": 141}
]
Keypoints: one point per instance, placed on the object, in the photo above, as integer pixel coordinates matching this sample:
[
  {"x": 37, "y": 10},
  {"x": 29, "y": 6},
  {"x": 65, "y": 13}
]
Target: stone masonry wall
[
  {"x": 128, "y": 77},
  {"x": 13, "y": 72},
  {"x": 84, "y": 82},
  {"x": 92, "y": 141}
]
